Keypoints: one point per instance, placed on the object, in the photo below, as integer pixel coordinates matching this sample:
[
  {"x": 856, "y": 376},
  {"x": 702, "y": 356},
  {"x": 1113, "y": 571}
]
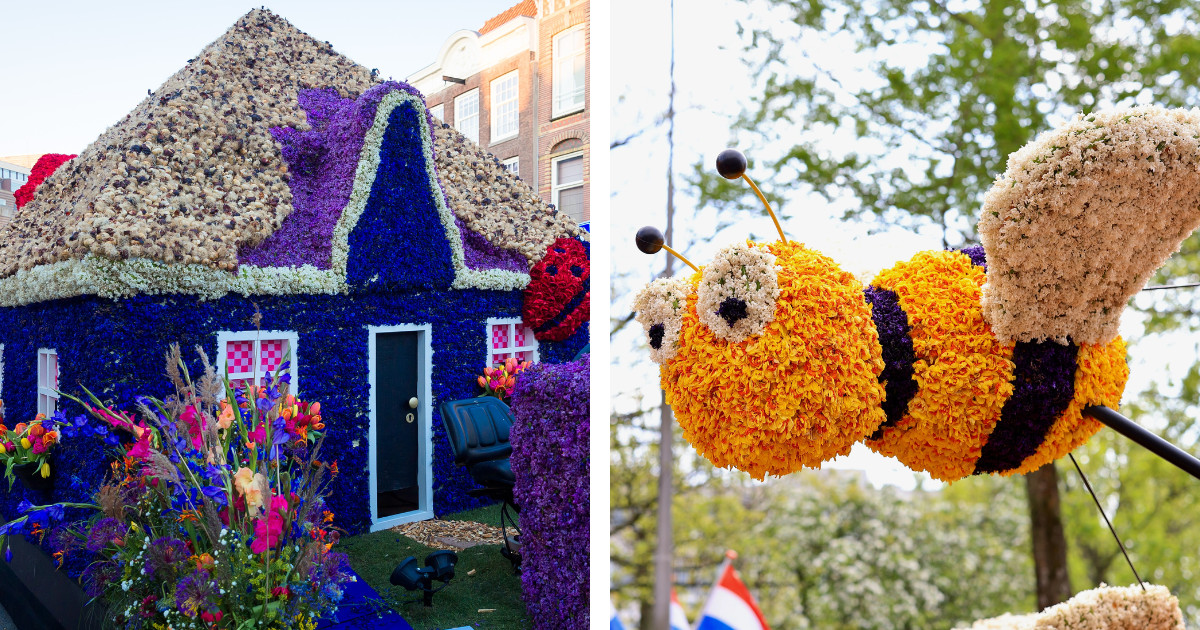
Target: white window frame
[
  {"x": 555, "y": 186},
  {"x": 439, "y": 111},
  {"x": 498, "y": 84},
  {"x": 462, "y": 122},
  {"x": 512, "y": 165},
  {"x": 424, "y": 509},
  {"x": 47, "y": 394},
  {"x": 291, "y": 336},
  {"x": 511, "y": 349},
  {"x": 560, "y": 107}
]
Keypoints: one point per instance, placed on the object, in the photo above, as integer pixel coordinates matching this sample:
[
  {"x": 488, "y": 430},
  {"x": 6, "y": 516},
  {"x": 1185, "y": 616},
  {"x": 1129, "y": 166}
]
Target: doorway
[{"x": 401, "y": 457}]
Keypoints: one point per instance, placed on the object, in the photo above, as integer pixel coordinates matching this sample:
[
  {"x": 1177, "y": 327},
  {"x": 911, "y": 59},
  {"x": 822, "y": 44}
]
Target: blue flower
[
  {"x": 8, "y": 554},
  {"x": 24, "y": 506}
]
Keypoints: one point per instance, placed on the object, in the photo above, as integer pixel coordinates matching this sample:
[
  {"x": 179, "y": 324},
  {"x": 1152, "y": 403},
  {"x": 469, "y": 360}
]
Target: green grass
[{"x": 494, "y": 584}]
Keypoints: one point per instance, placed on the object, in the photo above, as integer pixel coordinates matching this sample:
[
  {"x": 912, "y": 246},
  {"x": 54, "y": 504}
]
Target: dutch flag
[
  {"x": 730, "y": 606},
  {"x": 678, "y": 618}
]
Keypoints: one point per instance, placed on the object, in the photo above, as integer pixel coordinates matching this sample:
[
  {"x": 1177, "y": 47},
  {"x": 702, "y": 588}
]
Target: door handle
[{"x": 412, "y": 402}]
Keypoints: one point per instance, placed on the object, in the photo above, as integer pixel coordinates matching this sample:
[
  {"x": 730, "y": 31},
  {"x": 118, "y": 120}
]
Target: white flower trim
[
  {"x": 744, "y": 271},
  {"x": 663, "y": 301},
  {"x": 95, "y": 275},
  {"x": 1102, "y": 608}
]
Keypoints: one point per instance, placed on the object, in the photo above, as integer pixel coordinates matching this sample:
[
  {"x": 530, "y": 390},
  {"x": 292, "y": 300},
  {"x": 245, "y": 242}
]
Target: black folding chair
[{"x": 478, "y": 430}]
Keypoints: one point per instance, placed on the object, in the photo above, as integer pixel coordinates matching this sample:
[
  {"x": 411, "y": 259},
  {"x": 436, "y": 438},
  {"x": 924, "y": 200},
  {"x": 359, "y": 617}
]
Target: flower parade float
[
  {"x": 274, "y": 199},
  {"x": 994, "y": 359}
]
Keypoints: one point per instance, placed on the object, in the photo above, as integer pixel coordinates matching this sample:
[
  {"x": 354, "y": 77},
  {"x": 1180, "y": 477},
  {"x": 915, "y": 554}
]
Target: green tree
[{"x": 953, "y": 88}]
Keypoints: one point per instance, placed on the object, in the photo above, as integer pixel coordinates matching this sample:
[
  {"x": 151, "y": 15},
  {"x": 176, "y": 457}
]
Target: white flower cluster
[
  {"x": 738, "y": 291},
  {"x": 663, "y": 302},
  {"x": 1083, "y": 216},
  {"x": 1103, "y": 608},
  {"x": 109, "y": 278}
]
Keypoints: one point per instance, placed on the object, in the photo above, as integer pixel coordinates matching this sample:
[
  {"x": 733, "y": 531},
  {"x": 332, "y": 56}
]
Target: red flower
[
  {"x": 43, "y": 168},
  {"x": 558, "y": 299}
]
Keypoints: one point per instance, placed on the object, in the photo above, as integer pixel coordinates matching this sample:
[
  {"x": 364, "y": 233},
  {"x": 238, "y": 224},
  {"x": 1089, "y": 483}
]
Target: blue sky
[{"x": 74, "y": 68}]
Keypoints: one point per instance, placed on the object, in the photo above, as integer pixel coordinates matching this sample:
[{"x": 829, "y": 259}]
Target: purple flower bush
[{"x": 550, "y": 439}]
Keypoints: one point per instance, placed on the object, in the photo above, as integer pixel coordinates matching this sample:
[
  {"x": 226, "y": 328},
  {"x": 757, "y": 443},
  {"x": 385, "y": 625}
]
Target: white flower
[
  {"x": 660, "y": 307},
  {"x": 738, "y": 290}
]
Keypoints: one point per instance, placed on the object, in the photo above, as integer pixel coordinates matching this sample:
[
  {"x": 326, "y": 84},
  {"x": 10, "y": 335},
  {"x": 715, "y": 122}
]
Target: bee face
[
  {"x": 776, "y": 363},
  {"x": 660, "y": 308}
]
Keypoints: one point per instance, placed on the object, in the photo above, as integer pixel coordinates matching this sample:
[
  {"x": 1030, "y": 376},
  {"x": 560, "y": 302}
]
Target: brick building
[
  {"x": 519, "y": 87},
  {"x": 12, "y": 177}
]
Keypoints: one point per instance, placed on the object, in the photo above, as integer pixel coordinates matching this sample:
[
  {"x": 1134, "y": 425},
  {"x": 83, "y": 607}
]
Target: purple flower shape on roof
[{"x": 322, "y": 163}]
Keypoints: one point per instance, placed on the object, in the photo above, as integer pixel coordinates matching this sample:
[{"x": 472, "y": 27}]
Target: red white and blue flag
[
  {"x": 678, "y": 618},
  {"x": 730, "y": 605}
]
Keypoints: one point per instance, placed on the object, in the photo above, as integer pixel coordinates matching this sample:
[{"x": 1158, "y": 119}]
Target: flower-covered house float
[{"x": 273, "y": 201}]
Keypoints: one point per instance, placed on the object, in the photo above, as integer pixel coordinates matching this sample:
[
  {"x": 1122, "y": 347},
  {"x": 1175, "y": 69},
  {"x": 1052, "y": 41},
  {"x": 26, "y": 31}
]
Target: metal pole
[
  {"x": 664, "y": 553},
  {"x": 1130, "y": 429}
]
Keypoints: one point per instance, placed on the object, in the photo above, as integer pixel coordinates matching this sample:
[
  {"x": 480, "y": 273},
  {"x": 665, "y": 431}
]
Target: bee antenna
[
  {"x": 650, "y": 239},
  {"x": 731, "y": 164}
]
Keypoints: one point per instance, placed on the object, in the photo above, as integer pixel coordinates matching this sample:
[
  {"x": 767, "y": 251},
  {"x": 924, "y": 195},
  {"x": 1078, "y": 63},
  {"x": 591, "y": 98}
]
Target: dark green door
[{"x": 397, "y": 423}]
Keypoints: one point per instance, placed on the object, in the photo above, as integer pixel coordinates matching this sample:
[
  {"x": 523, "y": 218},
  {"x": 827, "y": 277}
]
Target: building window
[
  {"x": 512, "y": 165},
  {"x": 247, "y": 356},
  {"x": 466, "y": 114},
  {"x": 505, "y": 107},
  {"x": 438, "y": 111},
  {"x": 569, "y": 61},
  {"x": 510, "y": 337},
  {"x": 566, "y": 185},
  {"x": 47, "y": 370}
]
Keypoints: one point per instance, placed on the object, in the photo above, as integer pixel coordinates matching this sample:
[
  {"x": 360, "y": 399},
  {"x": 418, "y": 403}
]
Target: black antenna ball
[
  {"x": 731, "y": 164},
  {"x": 649, "y": 240}
]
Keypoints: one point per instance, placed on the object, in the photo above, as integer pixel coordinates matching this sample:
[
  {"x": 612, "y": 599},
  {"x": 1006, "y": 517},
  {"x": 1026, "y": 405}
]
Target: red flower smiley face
[{"x": 558, "y": 299}]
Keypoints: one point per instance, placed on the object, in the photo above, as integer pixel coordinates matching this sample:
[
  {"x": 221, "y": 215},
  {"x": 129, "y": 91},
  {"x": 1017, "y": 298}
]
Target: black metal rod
[{"x": 1132, "y": 430}]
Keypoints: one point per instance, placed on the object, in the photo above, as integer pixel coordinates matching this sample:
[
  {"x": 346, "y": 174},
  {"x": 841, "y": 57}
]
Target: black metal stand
[{"x": 1132, "y": 430}]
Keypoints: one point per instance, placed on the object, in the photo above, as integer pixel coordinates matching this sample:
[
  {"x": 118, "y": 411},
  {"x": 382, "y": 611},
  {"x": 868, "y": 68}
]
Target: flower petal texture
[{"x": 798, "y": 394}]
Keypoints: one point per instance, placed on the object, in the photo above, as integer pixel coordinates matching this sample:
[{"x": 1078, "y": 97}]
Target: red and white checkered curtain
[
  {"x": 499, "y": 342},
  {"x": 271, "y": 355}
]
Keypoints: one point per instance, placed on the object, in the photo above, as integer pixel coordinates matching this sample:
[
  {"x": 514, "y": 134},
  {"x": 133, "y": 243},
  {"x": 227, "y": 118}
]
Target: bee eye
[
  {"x": 660, "y": 308},
  {"x": 738, "y": 291}
]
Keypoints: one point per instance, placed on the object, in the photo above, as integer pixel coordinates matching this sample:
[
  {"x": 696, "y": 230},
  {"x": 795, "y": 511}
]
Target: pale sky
[{"x": 71, "y": 69}]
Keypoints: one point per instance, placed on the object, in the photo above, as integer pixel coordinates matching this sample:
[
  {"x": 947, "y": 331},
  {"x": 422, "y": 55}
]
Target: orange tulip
[
  {"x": 49, "y": 439},
  {"x": 510, "y": 382},
  {"x": 482, "y": 382},
  {"x": 3, "y": 429},
  {"x": 314, "y": 409},
  {"x": 37, "y": 431},
  {"x": 20, "y": 428}
]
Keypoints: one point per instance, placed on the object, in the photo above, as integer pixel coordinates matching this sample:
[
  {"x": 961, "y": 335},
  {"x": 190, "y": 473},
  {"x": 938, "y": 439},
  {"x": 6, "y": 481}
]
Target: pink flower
[
  {"x": 141, "y": 448},
  {"x": 38, "y": 448},
  {"x": 195, "y": 424},
  {"x": 258, "y": 435},
  {"x": 269, "y": 527}
]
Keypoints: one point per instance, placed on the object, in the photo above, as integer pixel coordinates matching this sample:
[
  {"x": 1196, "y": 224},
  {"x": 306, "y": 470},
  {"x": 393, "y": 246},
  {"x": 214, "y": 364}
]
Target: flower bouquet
[
  {"x": 498, "y": 381},
  {"x": 25, "y": 451},
  {"x": 214, "y": 515}
]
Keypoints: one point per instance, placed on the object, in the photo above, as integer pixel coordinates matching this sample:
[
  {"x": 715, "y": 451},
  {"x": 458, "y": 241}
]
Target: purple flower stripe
[
  {"x": 898, "y": 355},
  {"x": 322, "y": 163},
  {"x": 977, "y": 255},
  {"x": 482, "y": 254},
  {"x": 1043, "y": 386}
]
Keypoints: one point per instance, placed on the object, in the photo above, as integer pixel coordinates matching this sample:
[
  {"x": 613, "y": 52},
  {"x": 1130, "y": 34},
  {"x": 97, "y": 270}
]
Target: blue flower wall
[{"x": 116, "y": 350}]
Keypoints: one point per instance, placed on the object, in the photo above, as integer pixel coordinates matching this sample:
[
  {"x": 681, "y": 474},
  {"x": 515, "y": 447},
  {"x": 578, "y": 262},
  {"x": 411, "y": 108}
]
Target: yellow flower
[
  {"x": 46, "y": 470},
  {"x": 25, "y": 442},
  {"x": 249, "y": 485}
]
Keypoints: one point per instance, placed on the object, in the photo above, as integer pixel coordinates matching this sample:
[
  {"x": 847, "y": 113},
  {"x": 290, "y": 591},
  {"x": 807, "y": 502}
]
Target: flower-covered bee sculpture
[{"x": 979, "y": 360}]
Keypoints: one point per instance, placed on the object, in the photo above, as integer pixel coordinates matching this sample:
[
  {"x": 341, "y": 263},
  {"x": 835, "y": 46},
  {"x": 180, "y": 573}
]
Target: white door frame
[{"x": 424, "y": 509}]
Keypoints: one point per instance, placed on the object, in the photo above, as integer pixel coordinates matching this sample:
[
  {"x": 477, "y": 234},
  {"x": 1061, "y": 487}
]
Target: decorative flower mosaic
[{"x": 738, "y": 291}]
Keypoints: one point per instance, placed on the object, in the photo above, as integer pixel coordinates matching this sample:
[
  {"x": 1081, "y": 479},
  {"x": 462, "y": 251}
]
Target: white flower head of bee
[
  {"x": 660, "y": 308},
  {"x": 738, "y": 291}
]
